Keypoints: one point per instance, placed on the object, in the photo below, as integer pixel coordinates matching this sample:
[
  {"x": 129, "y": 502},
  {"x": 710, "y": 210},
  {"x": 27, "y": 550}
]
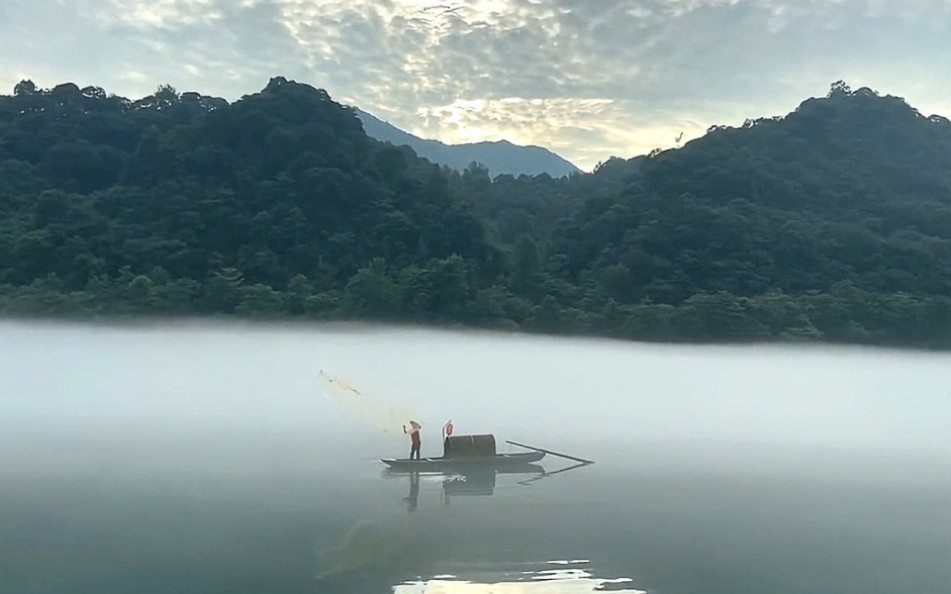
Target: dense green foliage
[
  {"x": 833, "y": 222},
  {"x": 206, "y": 207}
]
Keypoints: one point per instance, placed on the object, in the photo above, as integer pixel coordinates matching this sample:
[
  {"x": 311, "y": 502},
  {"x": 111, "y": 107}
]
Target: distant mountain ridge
[{"x": 501, "y": 157}]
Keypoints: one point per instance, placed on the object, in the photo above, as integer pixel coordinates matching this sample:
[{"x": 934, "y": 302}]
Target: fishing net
[{"x": 368, "y": 409}]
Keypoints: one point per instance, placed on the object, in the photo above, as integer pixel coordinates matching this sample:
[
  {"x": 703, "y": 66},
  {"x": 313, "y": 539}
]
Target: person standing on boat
[{"x": 414, "y": 428}]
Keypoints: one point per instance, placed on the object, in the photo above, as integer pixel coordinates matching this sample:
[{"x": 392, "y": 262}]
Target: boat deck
[{"x": 496, "y": 461}]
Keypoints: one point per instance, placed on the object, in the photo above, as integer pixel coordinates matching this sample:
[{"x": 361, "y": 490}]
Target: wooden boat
[
  {"x": 466, "y": 452},
  {"x": 500, "y": 461}
]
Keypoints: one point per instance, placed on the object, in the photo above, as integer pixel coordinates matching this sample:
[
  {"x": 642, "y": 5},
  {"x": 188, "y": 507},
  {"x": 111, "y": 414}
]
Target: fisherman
[{"x": 414, "y": 428}]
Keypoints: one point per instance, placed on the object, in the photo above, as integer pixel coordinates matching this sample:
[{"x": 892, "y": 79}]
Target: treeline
[
  {"x": 441, "y": 294},
  {"x": 832, "y": 223}
]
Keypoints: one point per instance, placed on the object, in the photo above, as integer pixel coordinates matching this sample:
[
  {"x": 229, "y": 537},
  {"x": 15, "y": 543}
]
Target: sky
[{"x": 588, "y": 79}]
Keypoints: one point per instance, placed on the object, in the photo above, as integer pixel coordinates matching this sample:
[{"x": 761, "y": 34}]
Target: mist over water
[{"x": 198, "y": 458}]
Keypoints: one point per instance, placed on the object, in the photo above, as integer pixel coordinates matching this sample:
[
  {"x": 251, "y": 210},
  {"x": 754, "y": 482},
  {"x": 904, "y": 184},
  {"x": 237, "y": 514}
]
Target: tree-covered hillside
[
  {"x": 202, "y": 206},
  {"x": 849, "y": 193},
  {"x": 833, "y": 222}
]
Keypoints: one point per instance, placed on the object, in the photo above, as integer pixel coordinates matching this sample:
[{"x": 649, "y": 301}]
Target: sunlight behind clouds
[
  {"x": 560, "y": 124},
  {"x": 521, "y": 121}
]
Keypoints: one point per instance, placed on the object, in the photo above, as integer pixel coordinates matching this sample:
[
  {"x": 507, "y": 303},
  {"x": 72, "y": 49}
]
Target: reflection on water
[
  {"x": 568, "y": 580},
  {"x": 443, "y": 535},
  {"x": 465, "y": 482}
]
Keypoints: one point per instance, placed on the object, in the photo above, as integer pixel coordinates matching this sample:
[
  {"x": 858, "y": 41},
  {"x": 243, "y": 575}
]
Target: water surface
[{"x": 210, "y": 459}]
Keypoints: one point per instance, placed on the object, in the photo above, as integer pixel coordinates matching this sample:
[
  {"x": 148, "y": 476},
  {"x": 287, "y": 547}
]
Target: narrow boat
[
  {"x": 466, "y": 451},
  {"x": 444, "y": 463}
]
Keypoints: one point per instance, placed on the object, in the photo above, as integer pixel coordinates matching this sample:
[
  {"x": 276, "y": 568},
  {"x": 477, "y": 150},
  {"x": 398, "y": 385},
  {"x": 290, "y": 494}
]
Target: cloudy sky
[{"x": 586, "y": 78}]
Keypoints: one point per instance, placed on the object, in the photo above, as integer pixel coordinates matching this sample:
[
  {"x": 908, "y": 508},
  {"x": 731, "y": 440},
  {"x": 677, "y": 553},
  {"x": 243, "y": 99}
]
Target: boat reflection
[
  {"x": 463, "y": 483},
  {"x": 386, "y": 549}
]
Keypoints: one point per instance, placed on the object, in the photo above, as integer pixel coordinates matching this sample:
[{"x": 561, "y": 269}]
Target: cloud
[
  {"x": 164, "y": 14},
  {"x": 587, "y": 79}
]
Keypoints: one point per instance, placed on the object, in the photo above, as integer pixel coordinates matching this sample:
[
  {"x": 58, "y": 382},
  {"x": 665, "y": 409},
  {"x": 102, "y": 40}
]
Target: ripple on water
[{"x": 570, "y": 577}]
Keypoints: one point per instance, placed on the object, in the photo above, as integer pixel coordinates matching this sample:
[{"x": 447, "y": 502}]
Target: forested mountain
[
  {"x": 830, "y": 223},
  {"x": 196, "y": 205},
  {"x": 848, "y": 194},
  {"x": 853, "y": 187},
  {"x": 500, "y": 157}
]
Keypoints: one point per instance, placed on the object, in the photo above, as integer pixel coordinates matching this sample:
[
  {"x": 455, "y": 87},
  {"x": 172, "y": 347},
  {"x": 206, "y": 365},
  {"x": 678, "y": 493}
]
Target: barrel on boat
[{"x": 468, "y": 446}]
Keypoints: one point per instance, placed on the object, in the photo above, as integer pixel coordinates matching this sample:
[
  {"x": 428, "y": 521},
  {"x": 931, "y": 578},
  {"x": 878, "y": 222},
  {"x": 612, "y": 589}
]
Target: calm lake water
[{"x": 189, "y": 458}]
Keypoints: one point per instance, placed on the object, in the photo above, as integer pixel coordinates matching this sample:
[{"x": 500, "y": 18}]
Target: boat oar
[
  {"x": 550, "y": 474},
  {"x": 528, "y": 447}
]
